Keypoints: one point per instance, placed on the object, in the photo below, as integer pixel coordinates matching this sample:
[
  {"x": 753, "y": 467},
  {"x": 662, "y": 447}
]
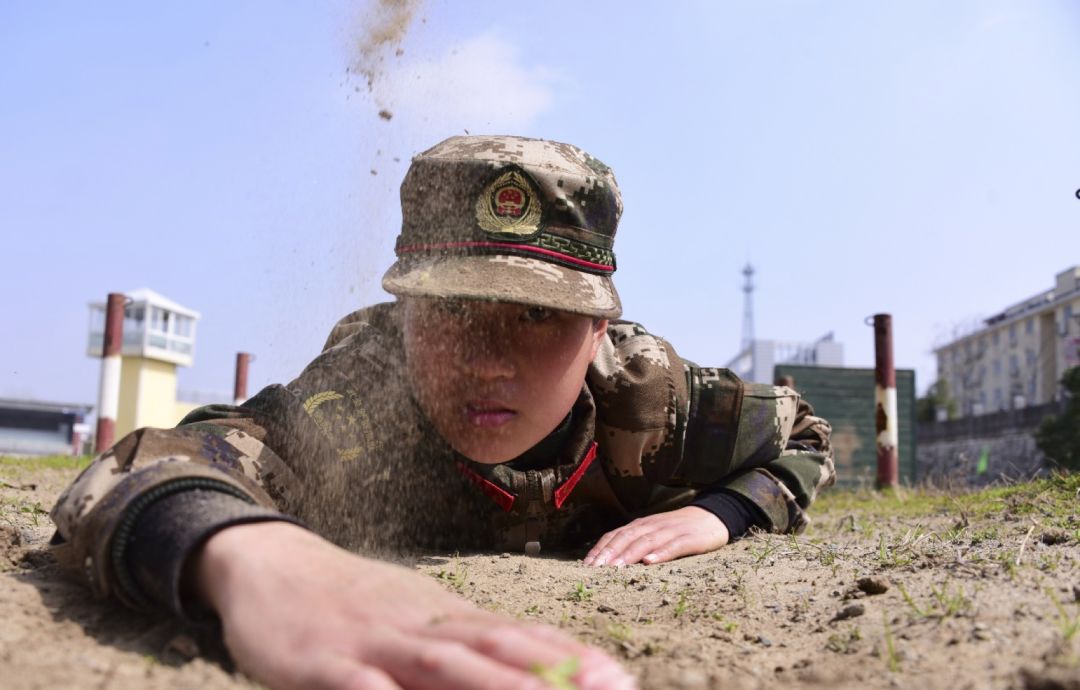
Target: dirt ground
[{"x": 915, "y": 590}]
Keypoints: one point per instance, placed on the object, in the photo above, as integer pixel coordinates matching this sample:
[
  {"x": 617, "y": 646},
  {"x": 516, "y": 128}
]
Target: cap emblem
[{"x": 509, "y": 206}]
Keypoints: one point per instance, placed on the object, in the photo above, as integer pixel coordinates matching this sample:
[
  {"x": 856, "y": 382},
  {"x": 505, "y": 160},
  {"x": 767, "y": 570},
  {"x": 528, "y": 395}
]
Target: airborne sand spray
[
  {"x": 374, "y": 478},
  {"x": 383, "y": 29}
]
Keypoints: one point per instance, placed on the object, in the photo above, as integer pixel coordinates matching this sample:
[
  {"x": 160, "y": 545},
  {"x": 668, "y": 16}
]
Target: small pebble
[
  {"x": 183, "y": 646},
  {"x": 849, "y": 611}
]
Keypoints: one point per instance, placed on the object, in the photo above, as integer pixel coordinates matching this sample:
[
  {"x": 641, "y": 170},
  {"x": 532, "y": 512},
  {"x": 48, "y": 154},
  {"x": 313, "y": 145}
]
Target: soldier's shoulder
[{"x": 374, "y": 321}]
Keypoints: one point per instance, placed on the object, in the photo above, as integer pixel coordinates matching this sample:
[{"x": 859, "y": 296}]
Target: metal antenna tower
[{"x": 748, "y": 307}]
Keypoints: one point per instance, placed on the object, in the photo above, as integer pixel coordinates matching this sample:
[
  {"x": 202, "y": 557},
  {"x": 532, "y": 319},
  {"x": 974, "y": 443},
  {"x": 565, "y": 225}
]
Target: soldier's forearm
[{"x": 167, "y": 534}]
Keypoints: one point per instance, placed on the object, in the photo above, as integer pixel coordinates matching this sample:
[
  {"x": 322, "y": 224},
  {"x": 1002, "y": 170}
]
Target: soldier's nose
[{"x": 488, "y": 361}]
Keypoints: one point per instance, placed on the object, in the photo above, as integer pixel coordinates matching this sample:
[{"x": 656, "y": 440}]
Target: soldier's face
[{"x": 496, "y": 378}]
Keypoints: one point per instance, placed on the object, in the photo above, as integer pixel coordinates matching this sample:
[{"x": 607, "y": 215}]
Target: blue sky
[{"x": 918, "y": 158}]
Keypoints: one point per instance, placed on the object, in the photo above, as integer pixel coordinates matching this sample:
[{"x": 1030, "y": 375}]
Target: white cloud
[{"x": 481, "y": 85}]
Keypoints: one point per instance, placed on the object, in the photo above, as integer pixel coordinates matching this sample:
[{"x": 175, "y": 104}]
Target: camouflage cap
[{"x": 509, "y": 219}]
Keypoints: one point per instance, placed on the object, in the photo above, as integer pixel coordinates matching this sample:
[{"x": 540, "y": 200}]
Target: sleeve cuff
[
  {"x": 169, "y": 531},
  {"x": 737, "y": 512}
]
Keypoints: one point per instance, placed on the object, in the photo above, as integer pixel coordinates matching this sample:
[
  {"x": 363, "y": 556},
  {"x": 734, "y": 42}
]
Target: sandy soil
[{"x": 944, "y": 593}]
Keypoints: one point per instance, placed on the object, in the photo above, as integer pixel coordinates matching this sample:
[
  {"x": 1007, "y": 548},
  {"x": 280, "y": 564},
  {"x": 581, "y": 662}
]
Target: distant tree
[
  {"x": 936, "y": 398},
  {"x": 1059, "y": 436}
]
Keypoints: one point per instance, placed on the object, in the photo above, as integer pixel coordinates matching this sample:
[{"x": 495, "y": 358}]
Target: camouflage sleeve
[
  {"x": 762, "y": 442},
  {"x": 223, "y": 452},
  {"x": 267, "y": 452}
]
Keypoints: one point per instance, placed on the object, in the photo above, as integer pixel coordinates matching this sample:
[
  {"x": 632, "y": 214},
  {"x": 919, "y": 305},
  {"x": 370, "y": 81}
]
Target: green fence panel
[{"x": 845, "y": 397}]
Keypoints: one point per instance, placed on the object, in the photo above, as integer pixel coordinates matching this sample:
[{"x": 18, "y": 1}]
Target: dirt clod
[
  {"x": 873, "y": 585},
  {"x": 1053, "y": 537}
]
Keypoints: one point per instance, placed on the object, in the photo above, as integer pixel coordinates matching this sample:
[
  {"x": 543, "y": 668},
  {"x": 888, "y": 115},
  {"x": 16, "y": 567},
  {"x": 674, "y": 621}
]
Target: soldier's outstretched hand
[
  {"x": 298, "y": 612},
  {"x": 660, "y": 537}
]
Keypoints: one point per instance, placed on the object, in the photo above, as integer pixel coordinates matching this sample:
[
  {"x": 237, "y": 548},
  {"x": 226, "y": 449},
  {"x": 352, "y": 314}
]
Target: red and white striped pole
[
  {"x": 888, "y": 429},
  {"x": 241, "y": 380},
  {"x": 109, "y": 389}
]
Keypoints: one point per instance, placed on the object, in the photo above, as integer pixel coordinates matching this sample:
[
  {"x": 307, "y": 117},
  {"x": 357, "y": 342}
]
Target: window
[
  {"x": 997, "y": 367},
  {"x": 156, "y": 322},
  {"x": 1012, "y": 333},
  {"x": 995, "y": 338},
  {"x": 998, "y": 399},
  {"x": 1014, "y": 365},
  {"x": 1029, "y": 326},
  {"x": 183, "y": 326}
]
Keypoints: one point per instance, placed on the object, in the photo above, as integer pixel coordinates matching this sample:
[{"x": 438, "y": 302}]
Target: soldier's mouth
[{"x": 488, "y": 413}]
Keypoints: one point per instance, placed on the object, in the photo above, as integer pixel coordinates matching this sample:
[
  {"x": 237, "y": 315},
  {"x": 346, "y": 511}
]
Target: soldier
[{"x": 497, "y": 404}]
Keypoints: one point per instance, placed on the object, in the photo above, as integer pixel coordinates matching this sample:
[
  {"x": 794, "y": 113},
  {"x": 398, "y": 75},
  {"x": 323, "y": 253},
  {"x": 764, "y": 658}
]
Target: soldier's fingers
[
  {"x": 522, "y": 648},
  {"x": 601, "y": 544},
  {"x": 596, "y": 666},
  {"x": 340, "y": 673},
  {"x": 422, "y": 663},
  {"x": 669, "y": 551},
  {"x": 645, "y": 544},
  {"x": 620, "y": 538}
]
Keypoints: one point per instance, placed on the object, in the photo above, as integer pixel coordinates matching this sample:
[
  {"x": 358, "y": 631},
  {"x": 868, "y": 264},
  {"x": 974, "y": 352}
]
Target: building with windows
[
  {"x": 158, "y": 337},
  {"x": 757, "y": 361},
  {"x": 1019, "y": 355},
  {"x": 37, "y": 427}
]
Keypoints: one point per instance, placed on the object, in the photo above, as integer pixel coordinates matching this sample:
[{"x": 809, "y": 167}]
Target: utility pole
[{"x": 748, "y": 308}]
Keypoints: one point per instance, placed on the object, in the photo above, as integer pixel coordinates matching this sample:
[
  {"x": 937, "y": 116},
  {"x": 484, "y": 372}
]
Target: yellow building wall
[
  {"x": 147, "y": 395},
  {"x": 182, "y": 408}
]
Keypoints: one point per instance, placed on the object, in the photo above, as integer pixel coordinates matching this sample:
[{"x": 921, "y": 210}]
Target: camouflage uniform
[{"x": 345, "y": 448}]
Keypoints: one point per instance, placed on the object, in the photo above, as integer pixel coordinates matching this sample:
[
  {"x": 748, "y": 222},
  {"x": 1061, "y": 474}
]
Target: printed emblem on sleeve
[{"x": 509, "y": 206}]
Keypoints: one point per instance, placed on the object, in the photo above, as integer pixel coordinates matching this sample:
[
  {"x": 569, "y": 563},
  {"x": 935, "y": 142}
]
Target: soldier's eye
[{"x": 537, "y": 314}]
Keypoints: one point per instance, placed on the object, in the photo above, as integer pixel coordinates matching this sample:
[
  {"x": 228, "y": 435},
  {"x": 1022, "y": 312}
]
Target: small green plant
[
  {"x": 455, "y": 577},
  {"x": 890, "y": 557},
  {"x": 943, "y": 604},
  {"x": 767, "y": 549},
  {"x": 892, "y": 659},
  {"x": 986, "y": 534},
  {"x": 620, "y": 632},
  {"x": 681, "y": 604},
  {"x": 949, "y": 605},
  {"x": 844, "y": 643},
  {"x": 560, "y": 675},
  {"x": 580, "y": 592},
  {"x": 725, "y": 625},
  {"x": 1008, "y": 562},
  {"x": 910, "y": 602},
  {"x": 34, "y": 510},
  {"x": 1068, "y": 625},
  {"x": 827, "y": 555},
  {"x": 533, "y": 610}
]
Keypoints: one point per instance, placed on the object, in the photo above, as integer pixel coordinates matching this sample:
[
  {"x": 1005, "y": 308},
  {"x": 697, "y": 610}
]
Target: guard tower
[{"x": 159, "y": 336}]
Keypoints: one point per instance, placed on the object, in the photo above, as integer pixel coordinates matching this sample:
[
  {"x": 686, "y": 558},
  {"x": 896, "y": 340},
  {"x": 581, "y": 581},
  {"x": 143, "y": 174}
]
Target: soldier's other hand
[
  {"x": 660, "y": 537},
  {"x": 298, "y": 612}
]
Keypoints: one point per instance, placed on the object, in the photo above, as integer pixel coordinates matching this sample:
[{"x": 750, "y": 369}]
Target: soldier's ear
[{"x": 599, "y": 330}]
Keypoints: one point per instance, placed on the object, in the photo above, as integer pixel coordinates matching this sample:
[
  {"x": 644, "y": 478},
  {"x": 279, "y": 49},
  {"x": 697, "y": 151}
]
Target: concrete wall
[
  {"x": 981, "y": 450},
  {"x": 956, "y": 463}
]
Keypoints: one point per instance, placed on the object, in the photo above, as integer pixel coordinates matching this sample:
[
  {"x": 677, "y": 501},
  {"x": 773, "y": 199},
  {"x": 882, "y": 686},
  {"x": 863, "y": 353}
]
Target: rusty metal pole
[
  {"x": 888, "y": 436},
  {"x": 109, "y": 388},
  {"x": 241, "y": 380}
]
